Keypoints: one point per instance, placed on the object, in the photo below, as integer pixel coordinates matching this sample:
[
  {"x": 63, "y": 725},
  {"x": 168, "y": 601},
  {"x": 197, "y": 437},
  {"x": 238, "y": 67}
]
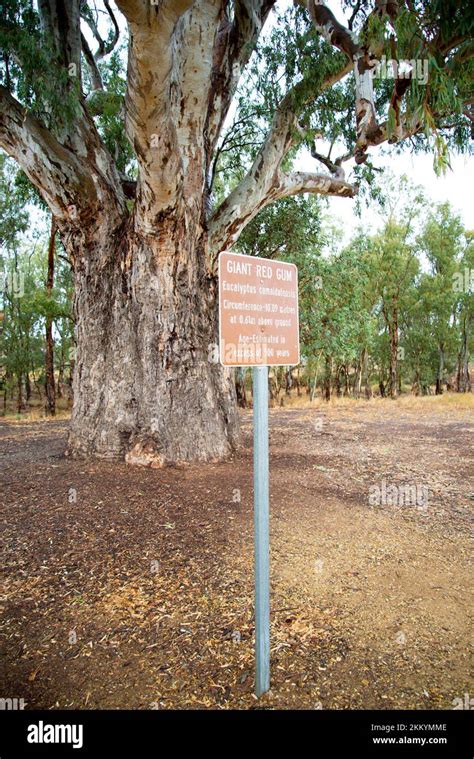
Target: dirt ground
[{"x": 132, "y": 588}]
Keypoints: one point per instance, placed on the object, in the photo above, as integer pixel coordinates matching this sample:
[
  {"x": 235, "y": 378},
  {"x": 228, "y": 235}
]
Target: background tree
[
  {"x": 463, "y": 283},
  {"x": 441, "y": 242}
]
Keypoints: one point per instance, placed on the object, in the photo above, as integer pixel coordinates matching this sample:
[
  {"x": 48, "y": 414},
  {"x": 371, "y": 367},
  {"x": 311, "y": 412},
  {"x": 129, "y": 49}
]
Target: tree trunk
[
  {"x": 20, "y": 406},
  {"x": 365, "y": 373},
  {"x": 288, "y": 380},
  {"x": 415, "y": 388},
  {"x": 147, "y": 384},
  {"x": 271, "y": 390},
  {"x": 6, "y": 383},
  {"x": 72, "y": 364},
  {"x": 358, "y": 375},
  {"x": 50, "y": 405},
  {"x": 298, "y": 383},
  {"x": 338, "y": 381},
  {"x": 327, "y": 377},
  {"x": 62, "y": 362},
  {"x": 37, "y": 384},
  {"x": 463, "y": 378},
  {"x": 27, "y": 386},
  {"x": 440, "y": 372},
  {"x": 346, "y": 380},
  {"x": 393, "y": 379},
  {"x": 240, "y": 387}
]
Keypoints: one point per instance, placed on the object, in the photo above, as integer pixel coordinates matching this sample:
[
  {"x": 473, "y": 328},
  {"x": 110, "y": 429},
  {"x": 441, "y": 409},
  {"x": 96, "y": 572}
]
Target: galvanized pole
[{"x": 261, "y": 529}]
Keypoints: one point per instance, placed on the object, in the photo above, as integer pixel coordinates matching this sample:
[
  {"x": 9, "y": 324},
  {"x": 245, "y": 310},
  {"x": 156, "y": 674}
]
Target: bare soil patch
[{"x": 139, "y": 593}]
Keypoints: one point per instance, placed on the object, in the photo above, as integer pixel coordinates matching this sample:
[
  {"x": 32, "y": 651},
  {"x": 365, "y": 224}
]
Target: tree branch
[
  {"x": 260, "y": 189},
  {"x": 236, "y": 212},
  {"x": 297, "y": 182},
  {"x": 343, "y": 39},
  {"x": 334, "y": 166},
  {"x": 94, "y": 72},
  {"x": 46, "y": 162},
  {"x": 234, "y": 44},
  {"x": 103, "y": 48},
  {"x": 74, "y": 190},
  {"x": 264, "y": 182}
]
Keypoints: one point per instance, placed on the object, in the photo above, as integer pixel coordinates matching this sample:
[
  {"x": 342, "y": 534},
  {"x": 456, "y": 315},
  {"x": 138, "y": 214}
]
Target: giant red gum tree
[{"x": 144, "y": 253}]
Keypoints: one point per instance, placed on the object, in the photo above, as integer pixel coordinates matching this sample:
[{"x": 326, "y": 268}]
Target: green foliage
[
  {"x": 33, "y": 69},
  {"x": 13, "y": 216}
]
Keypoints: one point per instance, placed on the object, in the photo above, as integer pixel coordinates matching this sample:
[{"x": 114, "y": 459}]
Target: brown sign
[{"x": 258, "y": 311}]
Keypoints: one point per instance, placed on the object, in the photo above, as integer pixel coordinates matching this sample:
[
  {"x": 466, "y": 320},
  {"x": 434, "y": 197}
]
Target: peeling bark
[{"x": 144, "y": 387}]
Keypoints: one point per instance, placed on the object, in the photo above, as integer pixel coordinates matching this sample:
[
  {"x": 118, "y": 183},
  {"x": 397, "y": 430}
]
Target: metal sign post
[
  {"x": 261, "y": 529},
  {"x": 259, "y": 327}
]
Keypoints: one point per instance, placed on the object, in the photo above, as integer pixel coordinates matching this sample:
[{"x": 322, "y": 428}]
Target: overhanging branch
[{"x": 236, "y": 212}]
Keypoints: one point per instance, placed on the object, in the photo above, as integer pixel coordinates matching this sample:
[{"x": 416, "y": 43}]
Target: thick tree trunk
[
  {"x": 147, "y": 385},
  {"x": 50, "y": 405}
]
